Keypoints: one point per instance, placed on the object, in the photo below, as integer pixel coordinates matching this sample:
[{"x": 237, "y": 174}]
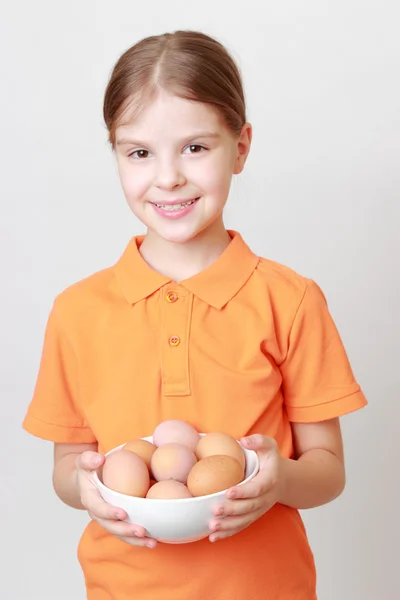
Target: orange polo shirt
[{"x": 245, "y": 346}]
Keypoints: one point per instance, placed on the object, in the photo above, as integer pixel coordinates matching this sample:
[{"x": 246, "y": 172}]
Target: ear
[{"x": 243, "y": 148}]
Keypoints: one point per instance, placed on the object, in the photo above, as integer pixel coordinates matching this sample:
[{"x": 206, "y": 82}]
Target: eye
[
  {"x": 194, "y": 149},
  {"x": 138, "y": 154}
]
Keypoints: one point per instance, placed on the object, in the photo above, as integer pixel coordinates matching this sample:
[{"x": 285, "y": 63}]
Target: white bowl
[{"x": 174, "y": 521}]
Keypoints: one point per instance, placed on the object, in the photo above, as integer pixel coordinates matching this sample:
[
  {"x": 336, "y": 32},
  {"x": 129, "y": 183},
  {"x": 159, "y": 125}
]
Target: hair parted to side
[{"x": 188, "y": 64}]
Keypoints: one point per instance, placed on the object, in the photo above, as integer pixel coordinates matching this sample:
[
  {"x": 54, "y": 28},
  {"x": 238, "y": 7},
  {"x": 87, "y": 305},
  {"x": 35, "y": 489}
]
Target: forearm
[
  {"x": 65, "y": 481},
  {"x": 314, "y": 479}
]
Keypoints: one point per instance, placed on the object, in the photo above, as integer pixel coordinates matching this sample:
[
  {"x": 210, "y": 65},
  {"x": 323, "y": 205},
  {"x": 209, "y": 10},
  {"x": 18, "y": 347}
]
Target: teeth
[{"x": 171, "y": 207}]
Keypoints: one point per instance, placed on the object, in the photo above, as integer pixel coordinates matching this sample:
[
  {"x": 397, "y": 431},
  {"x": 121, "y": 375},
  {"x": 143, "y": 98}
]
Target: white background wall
[{"x": 320, "y": 193}]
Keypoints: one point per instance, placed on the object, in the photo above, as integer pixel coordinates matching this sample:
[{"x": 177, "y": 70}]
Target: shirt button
[
  {"x": 174, "y": 340},
  {"x": 171, "y": 297}
]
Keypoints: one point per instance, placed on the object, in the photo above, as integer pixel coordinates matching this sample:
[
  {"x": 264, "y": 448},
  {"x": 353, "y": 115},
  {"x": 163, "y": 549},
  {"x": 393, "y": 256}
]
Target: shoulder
[
  {"x": 86, "y": 299},
  {"x": 286, "y": 288},
  {"x": 281, "y": 279}
]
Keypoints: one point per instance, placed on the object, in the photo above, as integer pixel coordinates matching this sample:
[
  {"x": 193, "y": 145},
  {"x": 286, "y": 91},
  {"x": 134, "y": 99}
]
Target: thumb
[
  {"x": 259, "y": 443},
  {"x": 89, "y": 461}
]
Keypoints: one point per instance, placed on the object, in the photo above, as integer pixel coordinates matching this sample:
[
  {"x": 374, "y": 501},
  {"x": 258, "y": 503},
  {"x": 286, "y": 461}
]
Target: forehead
[{"x": 171, "y": 115}]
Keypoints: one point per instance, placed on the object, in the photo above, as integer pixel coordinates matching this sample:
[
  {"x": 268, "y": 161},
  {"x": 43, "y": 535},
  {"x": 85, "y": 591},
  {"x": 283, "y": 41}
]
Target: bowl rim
[{"x": 149, "y": 438}]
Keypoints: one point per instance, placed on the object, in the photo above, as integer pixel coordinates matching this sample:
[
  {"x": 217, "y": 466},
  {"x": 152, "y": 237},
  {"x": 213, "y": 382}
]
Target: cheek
[
  {"x": 217, "y": 176},
  {"x": 134, "y": 182}
]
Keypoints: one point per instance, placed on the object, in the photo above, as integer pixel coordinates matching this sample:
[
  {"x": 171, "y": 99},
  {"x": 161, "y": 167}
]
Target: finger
[
  {"x": 95, "y": 504},
  {"x": 255, "y": 441},
  {"x": 89, "y": 460},
  {"x": 120, "y": 528},
  {"x": 144, "y": 542},
  {"x": 258, "y": 486},
  {"x": 239, "y": 507},
  {"x": 232, "y": 525},
  {"x": 232, "y": 522},
  {"x": 261, "y": 443}
]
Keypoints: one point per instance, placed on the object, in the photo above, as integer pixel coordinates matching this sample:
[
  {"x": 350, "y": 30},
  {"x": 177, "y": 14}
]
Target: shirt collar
[{"x": 216, "y": 285}]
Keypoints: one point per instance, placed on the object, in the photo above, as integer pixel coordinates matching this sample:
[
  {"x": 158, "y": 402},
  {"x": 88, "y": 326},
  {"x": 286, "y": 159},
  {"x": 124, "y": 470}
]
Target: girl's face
[{"x": 176, "y": 163}]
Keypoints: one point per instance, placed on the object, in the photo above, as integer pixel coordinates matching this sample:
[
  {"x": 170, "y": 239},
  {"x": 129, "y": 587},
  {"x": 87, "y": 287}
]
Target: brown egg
[
  {"x": 220, "y": 443},
  {"x": 168, "y": 489},
  {"x": 214, "y": 474},
  {"x": 176, "y": 432},
  {"x": 125, "y": 472},
  {"x": 172, "y": 461},
  {"x": 142, "y": 448}
]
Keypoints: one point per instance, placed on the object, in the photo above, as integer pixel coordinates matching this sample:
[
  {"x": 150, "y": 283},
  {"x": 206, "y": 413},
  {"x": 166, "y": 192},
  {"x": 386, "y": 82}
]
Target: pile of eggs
[{"x": 179, "y": 463}]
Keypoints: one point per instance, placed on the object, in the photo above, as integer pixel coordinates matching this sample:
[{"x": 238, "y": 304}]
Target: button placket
[{"x": 176, "y": 312}]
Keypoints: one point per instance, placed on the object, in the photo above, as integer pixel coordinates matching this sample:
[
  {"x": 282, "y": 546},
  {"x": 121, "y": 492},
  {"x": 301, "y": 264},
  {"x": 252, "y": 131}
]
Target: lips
[
  {"x": 173, "y": 211},
  {"x": 172, "y": 206}
]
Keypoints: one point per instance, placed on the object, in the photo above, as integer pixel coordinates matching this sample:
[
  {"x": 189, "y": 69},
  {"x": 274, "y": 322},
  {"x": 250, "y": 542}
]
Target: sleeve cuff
[
  {"x": 58, "y": 433},
  {"x": 327, "y": 410}
]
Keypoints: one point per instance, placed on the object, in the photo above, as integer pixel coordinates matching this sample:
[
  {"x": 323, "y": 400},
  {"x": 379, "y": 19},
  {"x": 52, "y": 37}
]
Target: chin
[
  {"x": 178, "y": 235},
  {"x": 177, "y": 238}
]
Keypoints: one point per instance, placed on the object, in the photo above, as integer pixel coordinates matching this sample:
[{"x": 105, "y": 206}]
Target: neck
[{"x": 181, "y": 261}]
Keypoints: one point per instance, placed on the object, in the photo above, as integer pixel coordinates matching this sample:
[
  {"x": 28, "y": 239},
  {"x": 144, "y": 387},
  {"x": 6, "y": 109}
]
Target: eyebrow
[{"x": 195, "y": 136}]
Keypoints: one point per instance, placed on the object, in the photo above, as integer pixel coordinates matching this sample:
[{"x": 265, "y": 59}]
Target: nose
[{"x": 169, "y": 175}]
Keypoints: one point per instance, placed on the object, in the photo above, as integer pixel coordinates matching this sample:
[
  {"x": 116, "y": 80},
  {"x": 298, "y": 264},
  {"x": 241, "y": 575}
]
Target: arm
[
  {"x": 314, "y": 477},
  {"x": 317, "y": 474},
  {"x": 65, "y": 481}
]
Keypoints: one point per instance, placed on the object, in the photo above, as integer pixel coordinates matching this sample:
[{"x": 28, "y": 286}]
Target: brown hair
[{"x": 188, "y": 64}]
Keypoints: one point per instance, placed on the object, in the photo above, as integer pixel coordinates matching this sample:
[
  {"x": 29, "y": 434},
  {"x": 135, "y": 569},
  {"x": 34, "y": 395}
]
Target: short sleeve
[
  {"x": 53, "y": 413},
  {"x": 318, "y": 381}
]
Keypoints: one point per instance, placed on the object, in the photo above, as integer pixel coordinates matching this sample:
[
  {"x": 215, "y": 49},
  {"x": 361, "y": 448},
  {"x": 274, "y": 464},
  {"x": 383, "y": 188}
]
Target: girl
[{"x": 190, "y": 324}]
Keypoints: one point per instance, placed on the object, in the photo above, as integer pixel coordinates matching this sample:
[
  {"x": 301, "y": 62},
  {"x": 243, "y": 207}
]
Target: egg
[
  {"x": 142, "y": 448},
  {"x": 214, "y": 474},
  {"x": 125, "y": 472},
  {"x": 178, "y": 432},
  {"x": 168, "y": 489},
  {"x": 172, "y": 461},
  {"x": 220, "y": 443}
]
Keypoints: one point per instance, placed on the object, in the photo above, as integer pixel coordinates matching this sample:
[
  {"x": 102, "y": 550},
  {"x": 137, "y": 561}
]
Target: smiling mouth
[{"x": 178, "y": 206}]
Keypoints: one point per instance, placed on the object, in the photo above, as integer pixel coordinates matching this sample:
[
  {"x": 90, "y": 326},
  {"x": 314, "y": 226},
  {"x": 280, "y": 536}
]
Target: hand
[
  {"x": 248, "y": 502},
  {"x": 109, "y": 517}
]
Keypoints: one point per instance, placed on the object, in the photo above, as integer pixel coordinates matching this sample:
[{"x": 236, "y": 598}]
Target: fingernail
[
  {"x": 214, "y": 526},
  {"x": 219, "y": 511},
  {"x": 151, "y": 544},
  {"x": 231, "y": 494},
  {"x": 213, "y": 538}
]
